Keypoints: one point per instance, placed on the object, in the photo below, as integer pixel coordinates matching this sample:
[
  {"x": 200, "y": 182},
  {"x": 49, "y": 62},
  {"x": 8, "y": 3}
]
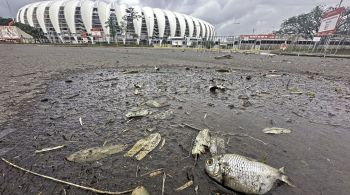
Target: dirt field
[{"x": 45, "y": 90}]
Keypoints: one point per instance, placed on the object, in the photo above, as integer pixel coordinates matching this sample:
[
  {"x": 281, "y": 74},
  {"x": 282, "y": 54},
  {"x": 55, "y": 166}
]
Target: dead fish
[
  {"x": 243, "y": 174},
  {"x": 276, "y": 131},
  {"x": 202, "y": 142}
]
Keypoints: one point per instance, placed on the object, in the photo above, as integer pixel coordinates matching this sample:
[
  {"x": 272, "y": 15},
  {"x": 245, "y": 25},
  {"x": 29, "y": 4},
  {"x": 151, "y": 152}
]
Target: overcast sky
[{"x": 228, "y": 16}]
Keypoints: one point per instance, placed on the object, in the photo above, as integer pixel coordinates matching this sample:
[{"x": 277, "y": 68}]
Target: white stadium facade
[{"x": 77, "y": 21}]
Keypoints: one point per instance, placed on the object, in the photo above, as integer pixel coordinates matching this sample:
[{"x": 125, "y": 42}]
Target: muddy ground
[{"x": 45, "y": 90}]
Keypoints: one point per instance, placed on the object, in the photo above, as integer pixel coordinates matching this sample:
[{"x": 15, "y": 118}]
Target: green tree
[
  {"x": 36, "y": 33},
  {"x": 113, "y": 26},
  {"x": 306, "y": 25}
]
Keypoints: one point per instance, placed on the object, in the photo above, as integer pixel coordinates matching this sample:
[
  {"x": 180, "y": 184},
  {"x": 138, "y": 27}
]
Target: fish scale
[{"x": 243, "y": 174}]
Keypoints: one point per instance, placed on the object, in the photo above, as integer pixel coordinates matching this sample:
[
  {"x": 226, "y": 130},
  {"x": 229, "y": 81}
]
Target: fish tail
[{"x": 286, "y": 180}]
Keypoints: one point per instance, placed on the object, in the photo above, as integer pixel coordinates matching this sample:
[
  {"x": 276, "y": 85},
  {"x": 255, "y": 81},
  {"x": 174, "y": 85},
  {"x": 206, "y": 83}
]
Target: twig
[
  {"x": 65, "y": 182},
  {"x": 151, "y": 172},
  {"x": 246, "y": 135},
  {"x": 163, "y": 186},
  {"x": 49, "y": 149},
  {"x": 191, "y": 127}
]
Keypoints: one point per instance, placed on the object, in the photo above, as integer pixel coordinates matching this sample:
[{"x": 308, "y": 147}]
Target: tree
[
  {"x": 128, "y": 20},
  {"x": 113, "y": 26},
  {"x": 306, "y": 25},
  {"x": 36, "y": 33}
]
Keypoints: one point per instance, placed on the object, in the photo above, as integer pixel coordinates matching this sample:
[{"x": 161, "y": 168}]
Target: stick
[
  {"x": 163, "y": 186},
  {"x": 191, "y": 127},
  {"x": 49, "y": 149},
  {"x": 151, "y": 172},
  {"x": 65, "y": 182}
]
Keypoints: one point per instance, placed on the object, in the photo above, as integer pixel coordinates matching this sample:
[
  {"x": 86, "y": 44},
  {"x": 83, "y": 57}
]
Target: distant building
[{"x": 86, "y": 21}]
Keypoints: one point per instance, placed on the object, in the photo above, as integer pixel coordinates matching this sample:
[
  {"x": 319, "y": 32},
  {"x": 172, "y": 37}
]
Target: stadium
[{"x": 85, "y": 21}]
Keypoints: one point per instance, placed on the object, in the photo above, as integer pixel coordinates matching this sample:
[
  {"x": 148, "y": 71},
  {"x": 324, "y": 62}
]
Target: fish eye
[{"x": 210, "y": 162}]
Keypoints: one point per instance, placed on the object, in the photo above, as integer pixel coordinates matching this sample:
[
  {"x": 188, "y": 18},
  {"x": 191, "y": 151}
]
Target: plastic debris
[
  {"x": 164, "y": 115},
  {"x": 153, "y": 104},
  {"x": 49, "y": 149},
  {"x": 201, "y": 143},
  {"x": 295, "y": 91},
  {"x": 183, "y": 187},
  {"x": 140, "y": 191},
  {"x": 137, "y": 114},
  {"x": 95, "y": 153},
  {"x": 144, "y": 146},
  {"x": 276, "y": 131},
  {"x": 81, "y": 121}
]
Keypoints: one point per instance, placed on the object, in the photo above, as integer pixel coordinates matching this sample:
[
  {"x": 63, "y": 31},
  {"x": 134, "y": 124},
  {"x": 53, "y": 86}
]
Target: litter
[
  {"x": 223, "y": 70},
  {"x": 244, "y": 174},
  {"x": 148, "y": 144},
  {"x": 65, "y": 182},
  {"x": 49, "y": 149},
  {"x": 183, "y": 187},
  {"x": 201, "y": 143},
  {"x": 162, "y": 144},
  {"x": 95, "y": 153},
  {"x": 213, "y": 89},
  {"x": 153, "y": 104},
  {"x": 164, "y": 115},
  {"x": 223, "y": 57},
  {"x": 140, "y": 191},
  {"x": 137, "y": 114},
  {"x": 81, "y": 121},
  {"x": 276, "y": 131}
]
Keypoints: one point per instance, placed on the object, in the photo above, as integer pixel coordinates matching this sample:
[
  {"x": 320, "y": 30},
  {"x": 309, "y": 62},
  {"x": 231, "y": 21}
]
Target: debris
[
  {"x": 248, "y": 78},
  {"x": 153, "y": 104},
  {"x": 231, "y": 106},
  {"x": 164, "y": 115},
  {"x": 244, "y": 174},
  {"x": 155, "y": 174},
  {"x": 140, "y": 191},
  {"x": 186, "y": 185},
  {"x": 243, "y": 97},
  {"x": 163, "y": 185},
  {"x": 247, "y": 103},
  {"x": 162, "y": 144},
  {"x": 217, "y": 145},
  {"x": 68, "y": 81},
  {"x": 295, "y": 91},
  {"x": 202, "y": 141},
  {"x": 223, "y": 70},
  {"x": 192, "y": 127},
  {"x": 95, "y": 153},
  {"x": 267, "y": 54},
  {"x": 71, "y": 96},
  {"x": 131, "y": 72},
  {"x": 136, "y": 92},
  {"x": 50, "y": 149},
  {"x": 272, "y": 75},
  {"x": 311, "y": 94},
  {"x": 156, "y": 68},
  {"x": 65, "y": 182},
  {"x": 137, "y": 114},
  {"x": 152, "y": 172},
  {"x": 196, "y": 189},
  {"x": 81, "y": 121},
  {"x": 217, "y": 87},
  {"x": 276, "y": 131},
  {"x": 223, "y": 57},
  {"x": 147, "y": 144}
]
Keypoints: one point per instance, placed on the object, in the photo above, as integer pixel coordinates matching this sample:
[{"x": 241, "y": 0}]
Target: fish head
[{"x": 212, "y": 167}]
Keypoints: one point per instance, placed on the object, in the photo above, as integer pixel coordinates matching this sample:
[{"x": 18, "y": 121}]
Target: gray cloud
[{"x": 228, "y": 16}]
